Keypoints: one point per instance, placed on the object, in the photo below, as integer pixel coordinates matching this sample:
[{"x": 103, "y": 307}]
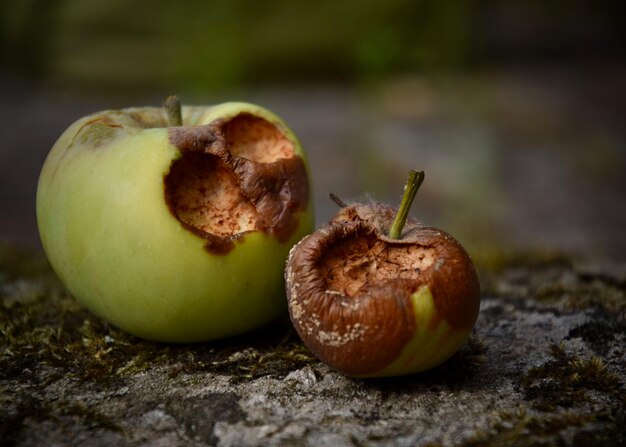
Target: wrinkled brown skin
[
  {"x": 384, "y": 308},
  {"x": 278, "y": 190}
]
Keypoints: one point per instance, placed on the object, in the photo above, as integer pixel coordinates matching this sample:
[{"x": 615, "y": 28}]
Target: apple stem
[
  {"x": 412, "y": 185},
  {"x": 173, "y": 109},
  {"x": 337, "y": 200}
]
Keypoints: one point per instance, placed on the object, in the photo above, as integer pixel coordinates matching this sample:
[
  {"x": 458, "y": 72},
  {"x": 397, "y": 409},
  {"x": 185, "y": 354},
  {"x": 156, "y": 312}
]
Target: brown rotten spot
[
  {"x": 236, "y": 176},
  {"x": 352, "y": 290}
]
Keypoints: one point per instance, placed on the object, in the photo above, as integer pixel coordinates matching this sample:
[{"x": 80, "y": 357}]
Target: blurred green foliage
[{"x": 201, "y": 45}]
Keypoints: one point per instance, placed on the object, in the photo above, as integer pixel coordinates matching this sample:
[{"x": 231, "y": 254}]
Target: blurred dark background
[{"x": 514, "y": 109}]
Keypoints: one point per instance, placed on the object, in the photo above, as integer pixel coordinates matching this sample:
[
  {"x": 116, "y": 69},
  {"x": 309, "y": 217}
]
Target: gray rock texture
[{"x": 544, "y": 366}]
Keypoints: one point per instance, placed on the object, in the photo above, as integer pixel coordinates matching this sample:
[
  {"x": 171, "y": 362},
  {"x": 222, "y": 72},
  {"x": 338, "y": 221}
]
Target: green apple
[
  {"x": 176, "y": 233},
  {"x": 372, "y": 297}
]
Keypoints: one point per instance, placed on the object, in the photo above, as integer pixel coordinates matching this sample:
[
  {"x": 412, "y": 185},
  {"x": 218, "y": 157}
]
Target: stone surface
[{"x": 544, "y": 366}]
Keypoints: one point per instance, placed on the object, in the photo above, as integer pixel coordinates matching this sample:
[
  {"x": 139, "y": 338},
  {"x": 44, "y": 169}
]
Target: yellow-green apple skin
[{"x": 114, "y": 241}]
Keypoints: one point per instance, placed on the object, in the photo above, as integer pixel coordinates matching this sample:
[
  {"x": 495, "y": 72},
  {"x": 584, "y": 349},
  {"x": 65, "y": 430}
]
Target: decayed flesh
[
  {"x": 356, "y": 264},
  {"x": 236, "y": 176}
]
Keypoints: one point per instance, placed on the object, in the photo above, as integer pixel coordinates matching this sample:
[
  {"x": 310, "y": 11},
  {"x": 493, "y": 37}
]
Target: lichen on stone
[{"x": 543, "y": 366}]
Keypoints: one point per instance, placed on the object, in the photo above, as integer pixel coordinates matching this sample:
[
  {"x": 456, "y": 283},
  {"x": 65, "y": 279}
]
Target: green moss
[
  {"x": 523, "y": 428},
  {"x": 42, "y": 325},
  {"x": 585, "y": 294},
  {"x": 559, "y": 395},
  {"x": 554, "y": 279},
  {"x": 45, "y": 335},
  {"x": 565, "y": 381}
]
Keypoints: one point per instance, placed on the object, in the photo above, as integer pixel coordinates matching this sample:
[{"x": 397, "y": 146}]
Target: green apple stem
[
  {"x": 412, "y": 185},
  {"x": 173, "y": 109}
]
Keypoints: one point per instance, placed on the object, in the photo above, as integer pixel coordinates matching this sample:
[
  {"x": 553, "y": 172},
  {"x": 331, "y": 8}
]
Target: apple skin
[
  {"x": 112, "y": 240},
  {"x": 368, "y": 305}
]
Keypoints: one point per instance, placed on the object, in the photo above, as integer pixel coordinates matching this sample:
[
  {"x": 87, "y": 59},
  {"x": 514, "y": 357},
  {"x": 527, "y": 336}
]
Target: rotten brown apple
[{"x": 377, "y": 293}]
